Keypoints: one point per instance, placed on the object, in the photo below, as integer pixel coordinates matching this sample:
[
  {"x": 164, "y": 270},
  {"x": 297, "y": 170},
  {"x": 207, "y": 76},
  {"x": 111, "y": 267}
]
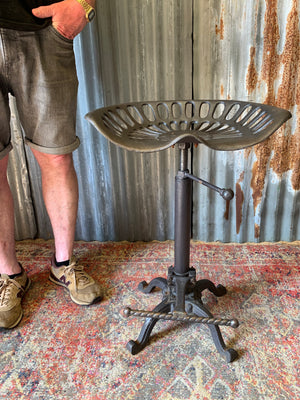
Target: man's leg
[
  {"x": 8, "y": 260},
  {"x": 13, "y": 279},
  {"x": 60, "y": 192}
]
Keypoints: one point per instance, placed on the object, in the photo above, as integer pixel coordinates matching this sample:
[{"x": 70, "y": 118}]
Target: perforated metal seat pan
[{"x": 157, "y": 125}]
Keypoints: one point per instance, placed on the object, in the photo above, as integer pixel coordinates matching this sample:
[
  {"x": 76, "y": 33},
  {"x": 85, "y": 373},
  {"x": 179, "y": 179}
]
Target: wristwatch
[{"x": 89, "y": 10}]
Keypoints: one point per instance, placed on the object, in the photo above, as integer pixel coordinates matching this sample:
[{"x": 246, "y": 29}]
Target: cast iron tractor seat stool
[{"x": 157, "y": 125}]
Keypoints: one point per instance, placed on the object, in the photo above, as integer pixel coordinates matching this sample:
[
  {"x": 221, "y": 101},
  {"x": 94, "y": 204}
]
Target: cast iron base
[{"x": 182, "y": 301}]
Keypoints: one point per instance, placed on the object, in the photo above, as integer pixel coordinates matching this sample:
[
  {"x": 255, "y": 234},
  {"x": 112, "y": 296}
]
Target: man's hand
[{"x": 68, "y": 17}]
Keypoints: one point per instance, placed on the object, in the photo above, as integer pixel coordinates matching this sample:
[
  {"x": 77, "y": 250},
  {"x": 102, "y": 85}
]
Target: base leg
[
  {"x": 136, "y": 346},
  {"x": 156, "y": 282},
  {"x": 203, "y": 284},
  {"x": 201, "y": 311}
]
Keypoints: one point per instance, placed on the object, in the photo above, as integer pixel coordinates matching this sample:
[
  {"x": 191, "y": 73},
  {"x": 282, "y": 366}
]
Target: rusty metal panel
[{"x": 250, "y": 51}]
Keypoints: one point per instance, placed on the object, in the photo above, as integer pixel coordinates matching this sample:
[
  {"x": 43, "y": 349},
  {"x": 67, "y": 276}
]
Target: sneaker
[
  {"x": 82, "y": 288},
  {"x": 11, "y": 292}
]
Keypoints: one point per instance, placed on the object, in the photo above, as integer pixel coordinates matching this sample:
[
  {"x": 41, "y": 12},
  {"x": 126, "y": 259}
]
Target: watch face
[{"x": 91, "y": 15}]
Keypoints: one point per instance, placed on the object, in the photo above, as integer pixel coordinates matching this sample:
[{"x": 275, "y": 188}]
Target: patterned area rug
[{"x": 64, "y": 351}]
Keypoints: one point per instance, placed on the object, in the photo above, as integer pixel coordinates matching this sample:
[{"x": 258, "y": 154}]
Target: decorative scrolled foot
[
  {"x": 138, "y": 345},
  {"x": 221, "y": 290},
  {"x": 229, "y": 354},
  {"x": 135, "y": 347},
  {"x": 203, "y": 284},
  {"x": 156, "y": 282}
]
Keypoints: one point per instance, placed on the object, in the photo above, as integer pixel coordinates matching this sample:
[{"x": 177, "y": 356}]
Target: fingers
[{"x": 43, "y": 11}]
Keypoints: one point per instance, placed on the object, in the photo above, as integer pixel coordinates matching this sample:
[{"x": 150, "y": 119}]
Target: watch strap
[{"x": 89, "y": 10}]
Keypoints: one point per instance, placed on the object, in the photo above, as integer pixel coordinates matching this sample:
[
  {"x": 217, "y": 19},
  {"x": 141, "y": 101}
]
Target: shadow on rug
[{"x": 64, "y": 351}]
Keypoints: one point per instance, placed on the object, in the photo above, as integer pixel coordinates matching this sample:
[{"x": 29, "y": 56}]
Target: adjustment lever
[{"x": 227, "y": 194}]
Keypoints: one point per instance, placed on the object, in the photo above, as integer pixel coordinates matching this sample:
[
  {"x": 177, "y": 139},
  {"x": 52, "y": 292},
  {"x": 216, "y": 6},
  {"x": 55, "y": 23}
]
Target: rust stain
[
  {"x": 281, "y": 150},
  {"x": 226, "y": 213},
  {"x": 252, "y": 75},
  {"x": 287, "y": 92},
  {"x": 242, "y": 176},
  {"x": 220, "y": 27},
  {"x": 257, "y": 231},
  {"x": 287, "y": 147},
  {"x": 271, "y": 60},
  {"x": 259, "y": 171},
  {"x": 247, "y": 152},
  {"x": 222, "y": 91},
  {"x": 239, "y": 200}
]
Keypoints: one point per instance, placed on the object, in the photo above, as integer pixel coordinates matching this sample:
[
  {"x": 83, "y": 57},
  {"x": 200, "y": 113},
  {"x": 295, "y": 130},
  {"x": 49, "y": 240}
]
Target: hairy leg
[
  {"x": 60, "y": 192},
  {"x": 8, "y": 260}
]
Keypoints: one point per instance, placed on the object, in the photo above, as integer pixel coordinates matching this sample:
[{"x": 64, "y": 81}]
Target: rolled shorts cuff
[
  {"x": 55, "y": 150},
  {"x": 5, "y": 151}
]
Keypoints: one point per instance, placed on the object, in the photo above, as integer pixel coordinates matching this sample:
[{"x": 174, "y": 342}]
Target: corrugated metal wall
[
  {"x": 250, "y": 51},
  {"x": 154, "y": 49}
]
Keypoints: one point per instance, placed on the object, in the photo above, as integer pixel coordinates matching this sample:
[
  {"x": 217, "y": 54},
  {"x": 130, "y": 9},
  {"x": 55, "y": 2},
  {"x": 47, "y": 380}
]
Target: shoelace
[
  {"x": 78, "y": 270},
  {"x": 5, "y": 289}
]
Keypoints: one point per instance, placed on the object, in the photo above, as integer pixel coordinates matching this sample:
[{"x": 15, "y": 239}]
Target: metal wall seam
[{"x": 19, "y": 181}]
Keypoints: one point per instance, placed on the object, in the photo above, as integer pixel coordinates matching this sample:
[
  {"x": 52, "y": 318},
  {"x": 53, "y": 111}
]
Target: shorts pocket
[{"x": 59, "y": 35}]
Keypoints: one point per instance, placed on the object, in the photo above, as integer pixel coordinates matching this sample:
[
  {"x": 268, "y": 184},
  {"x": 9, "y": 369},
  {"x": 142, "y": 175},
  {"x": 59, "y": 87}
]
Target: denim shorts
[{"x": 38, "y": 69}]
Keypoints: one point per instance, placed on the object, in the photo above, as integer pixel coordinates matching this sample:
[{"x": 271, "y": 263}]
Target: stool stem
[{"x": 183, "y": 198}]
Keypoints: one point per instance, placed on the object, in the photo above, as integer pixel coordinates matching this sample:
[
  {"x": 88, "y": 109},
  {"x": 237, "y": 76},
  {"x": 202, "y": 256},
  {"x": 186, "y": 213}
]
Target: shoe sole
[
  {"x": 53, "y": 279},
  {"x": 28, "y": 283}
]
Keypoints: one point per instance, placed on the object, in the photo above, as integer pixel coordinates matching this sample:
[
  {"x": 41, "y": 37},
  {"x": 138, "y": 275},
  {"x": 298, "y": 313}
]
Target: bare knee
[{"x": 51, "y": 163}]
